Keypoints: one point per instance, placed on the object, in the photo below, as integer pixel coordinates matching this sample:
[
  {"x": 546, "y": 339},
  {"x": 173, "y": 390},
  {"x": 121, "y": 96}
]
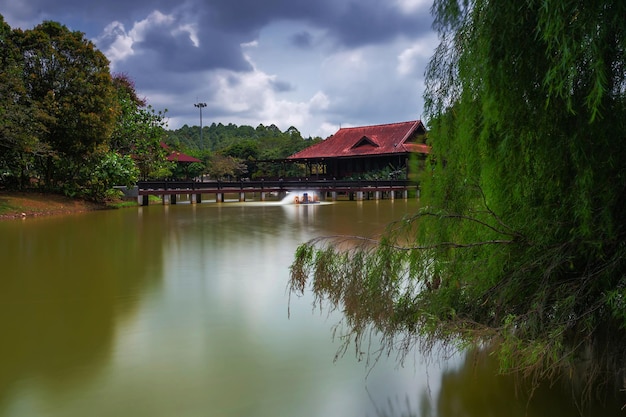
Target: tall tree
[
  {"x": 69, "y": 80},
  {"x": 520, "y": 240},
  {"x": 20, "y": 120}
]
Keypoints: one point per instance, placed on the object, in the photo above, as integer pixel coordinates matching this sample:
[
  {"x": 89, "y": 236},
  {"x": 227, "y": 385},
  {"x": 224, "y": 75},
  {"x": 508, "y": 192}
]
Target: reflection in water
[
  {"x": 65, "y": 282},
  {"x": 182, "y": 311},
  {"x": 475, "y": 390},
  {"x": 177, "y": 310}
]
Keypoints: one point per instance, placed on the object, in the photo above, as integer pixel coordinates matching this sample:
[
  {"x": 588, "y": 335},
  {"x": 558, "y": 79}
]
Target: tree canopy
[
  {"x": 231, "y": 151},
  {"x": 520, "y": 241}
]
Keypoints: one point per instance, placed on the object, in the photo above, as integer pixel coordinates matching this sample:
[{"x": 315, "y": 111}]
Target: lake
[{"x": 182, "y": 310}]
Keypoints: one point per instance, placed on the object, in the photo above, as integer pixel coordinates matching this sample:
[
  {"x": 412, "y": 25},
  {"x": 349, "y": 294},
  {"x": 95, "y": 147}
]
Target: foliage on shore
[{"x": 66, "y": 124}]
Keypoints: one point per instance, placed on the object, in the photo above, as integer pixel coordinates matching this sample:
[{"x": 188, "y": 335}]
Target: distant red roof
[
  {"x": 176, "y": 156},
  {"x": 393, "y": 138}
]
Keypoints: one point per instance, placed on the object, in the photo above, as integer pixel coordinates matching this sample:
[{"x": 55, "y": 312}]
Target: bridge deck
[{"x": 360, "y": 188}]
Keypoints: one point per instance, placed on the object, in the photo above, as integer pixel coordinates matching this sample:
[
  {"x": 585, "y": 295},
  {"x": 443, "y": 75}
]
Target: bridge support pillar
[
  {"x": 359, "y": 196},
  {"x": 376, "y": 195},
  {"x": 219, "y": 197},
  {"x": 392, "y": 195},
  {"x": 166, "y": 199},
  {"x": 263, "y": 195},
  {"x": 333, "y": 196},
  {"x": 242, "y": 196},
  {"x": 406, "y": 194},
  {"x": 143, "y": 200}
]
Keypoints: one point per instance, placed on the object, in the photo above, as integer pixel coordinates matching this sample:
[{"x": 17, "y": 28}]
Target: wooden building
[{"x": 355, "y": 151}]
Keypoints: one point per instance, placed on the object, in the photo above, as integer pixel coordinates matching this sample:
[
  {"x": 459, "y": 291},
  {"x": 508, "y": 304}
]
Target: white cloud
[
  {"x": 410, "y": 6},
  {"x": 412, "y": 60},
  {"x": 120, "y": 42},
  {"x": 192, "y": 32},
  {"x": 252, "y": 44},
  {"x": 319, "y": 101}
]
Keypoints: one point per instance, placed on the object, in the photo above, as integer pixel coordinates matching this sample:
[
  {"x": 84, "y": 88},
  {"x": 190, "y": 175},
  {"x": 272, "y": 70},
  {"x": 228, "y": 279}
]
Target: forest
[{"x": 235, "y": 152}]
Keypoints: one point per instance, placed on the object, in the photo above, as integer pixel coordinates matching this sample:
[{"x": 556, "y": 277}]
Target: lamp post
[{"x": 200, "y": 106}]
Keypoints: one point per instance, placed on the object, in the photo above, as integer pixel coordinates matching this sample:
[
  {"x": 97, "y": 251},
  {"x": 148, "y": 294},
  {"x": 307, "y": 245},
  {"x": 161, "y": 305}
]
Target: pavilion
[{"x": 353, "y": 151}]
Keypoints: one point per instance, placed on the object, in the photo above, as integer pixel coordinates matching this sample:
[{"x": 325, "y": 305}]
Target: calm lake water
[{"x": 182, "y": 311}]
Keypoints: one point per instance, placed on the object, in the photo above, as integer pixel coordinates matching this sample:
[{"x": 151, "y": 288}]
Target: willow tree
[{"x": 520, "y": 241}]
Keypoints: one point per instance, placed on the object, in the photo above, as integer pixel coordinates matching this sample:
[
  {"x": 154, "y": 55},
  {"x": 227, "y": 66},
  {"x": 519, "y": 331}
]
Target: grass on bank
[{"x": 34, "y": 204}]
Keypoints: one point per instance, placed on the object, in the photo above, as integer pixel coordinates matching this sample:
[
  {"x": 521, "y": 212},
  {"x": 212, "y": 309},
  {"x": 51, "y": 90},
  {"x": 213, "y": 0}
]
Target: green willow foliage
[{"x": 521, "y": 239}]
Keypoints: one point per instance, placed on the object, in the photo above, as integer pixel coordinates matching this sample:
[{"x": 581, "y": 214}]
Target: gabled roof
[
  {"x": 176, "y": 156},
  {"x": 387, "y": 139}
]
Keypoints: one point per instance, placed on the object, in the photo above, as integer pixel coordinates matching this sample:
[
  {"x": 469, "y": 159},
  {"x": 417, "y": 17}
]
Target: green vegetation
[
  {"x": 61, "y": 113},
  {"x": 67, "y": 125},
  {"x": 232, "y": 152},
  {"x": 520, "y": 241}
]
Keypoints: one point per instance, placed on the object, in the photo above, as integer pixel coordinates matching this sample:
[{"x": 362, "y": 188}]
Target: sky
[{"x": 316, "y": 65}]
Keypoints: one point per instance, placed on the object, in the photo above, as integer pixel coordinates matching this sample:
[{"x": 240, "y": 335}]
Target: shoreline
[{"x": 30, "y": 204}]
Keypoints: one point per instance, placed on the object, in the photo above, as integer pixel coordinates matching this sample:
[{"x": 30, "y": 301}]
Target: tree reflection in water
[{"x": 475, "y": 389}]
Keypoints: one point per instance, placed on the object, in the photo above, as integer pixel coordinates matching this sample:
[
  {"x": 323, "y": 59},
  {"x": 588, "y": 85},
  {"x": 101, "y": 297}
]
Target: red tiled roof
[
  {"x": 175, "y": 156},
  {"x": 376, "y": 140},
  {"x": 181, "y": 157}
]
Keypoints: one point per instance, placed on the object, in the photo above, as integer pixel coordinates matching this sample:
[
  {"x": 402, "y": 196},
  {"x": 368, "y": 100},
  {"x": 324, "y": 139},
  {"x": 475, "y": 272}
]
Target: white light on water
[{"x": 297, "y": 197}]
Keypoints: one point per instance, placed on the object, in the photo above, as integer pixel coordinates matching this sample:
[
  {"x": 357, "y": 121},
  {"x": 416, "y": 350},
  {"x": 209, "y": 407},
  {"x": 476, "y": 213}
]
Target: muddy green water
[{"x": 182, "y": 311}]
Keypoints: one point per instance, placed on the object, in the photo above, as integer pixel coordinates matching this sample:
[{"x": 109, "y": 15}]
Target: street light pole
[{"x": 200, "y": 106}]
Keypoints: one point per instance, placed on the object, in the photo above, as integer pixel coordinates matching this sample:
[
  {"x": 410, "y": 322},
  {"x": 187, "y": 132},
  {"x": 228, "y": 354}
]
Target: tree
[
  {"x": 20, "y": 120},
  {"x": 139, "y": 130},
  {"x": 68, "y": 80},
  {"x": 223, "y": 167},
  {"x": 105, "y": 170},
  {"x": 519, "y": 243}
]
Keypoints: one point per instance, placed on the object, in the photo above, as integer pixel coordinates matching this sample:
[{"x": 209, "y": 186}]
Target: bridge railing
[{"x": 285, "y": 185}]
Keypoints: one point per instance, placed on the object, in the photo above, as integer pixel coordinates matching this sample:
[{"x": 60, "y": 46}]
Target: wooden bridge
[{"x": 170, "y": 191}]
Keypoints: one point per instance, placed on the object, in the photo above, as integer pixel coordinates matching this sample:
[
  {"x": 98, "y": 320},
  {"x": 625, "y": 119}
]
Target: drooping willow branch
[{"x": 373, "y": 241}]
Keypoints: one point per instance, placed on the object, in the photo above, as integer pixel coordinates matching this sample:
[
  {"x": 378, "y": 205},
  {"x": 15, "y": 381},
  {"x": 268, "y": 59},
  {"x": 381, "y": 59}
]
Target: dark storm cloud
[
  {"x": 362, "y": 23},
  {"x": 177, "y": 52},
  {"x": 349, "y": 22}
]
